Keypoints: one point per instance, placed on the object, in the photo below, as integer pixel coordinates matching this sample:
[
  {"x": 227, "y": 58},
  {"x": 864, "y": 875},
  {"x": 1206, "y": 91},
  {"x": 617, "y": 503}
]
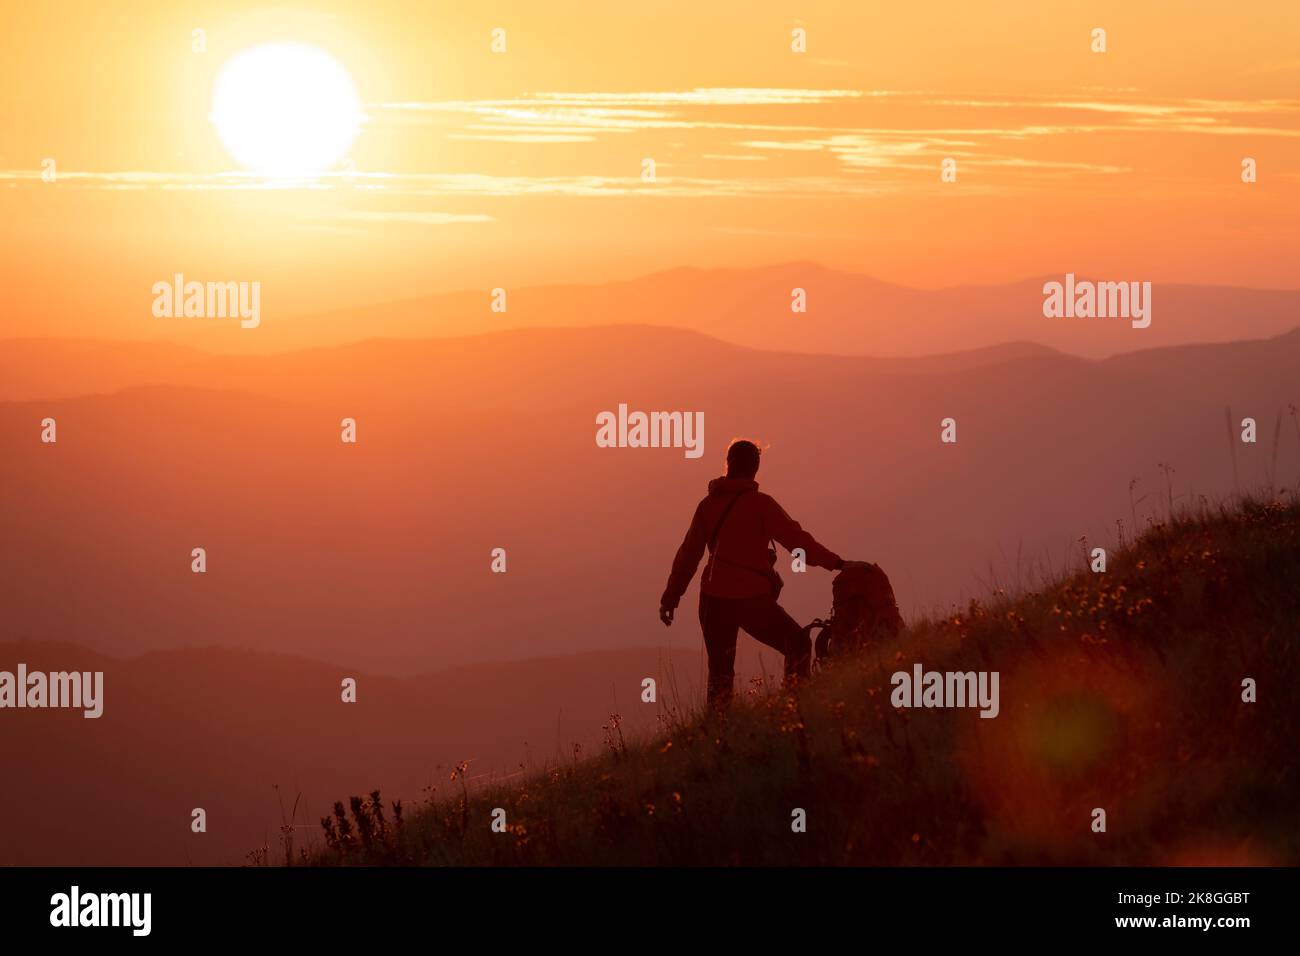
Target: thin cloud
[
  {"x": 412, "y": 218},
  {"x": 799, "y": 142},
  {"x": 708, "y": 96}
]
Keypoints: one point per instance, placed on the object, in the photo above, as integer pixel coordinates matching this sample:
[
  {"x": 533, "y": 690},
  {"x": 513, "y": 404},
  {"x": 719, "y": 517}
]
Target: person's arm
[
  {"x": 790, "y": 535},
  {"x": 685, "y": 563}
]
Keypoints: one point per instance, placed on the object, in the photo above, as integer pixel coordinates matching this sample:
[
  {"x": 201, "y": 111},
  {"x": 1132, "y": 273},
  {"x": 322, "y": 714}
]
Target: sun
[{"x": 286, "y": 110}]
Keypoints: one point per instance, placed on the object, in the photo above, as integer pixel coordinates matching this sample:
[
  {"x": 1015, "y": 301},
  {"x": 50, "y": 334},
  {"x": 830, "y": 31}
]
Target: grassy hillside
[
  {"x": 1120, "y": 691},
  {"x": 260, "y": 739}
]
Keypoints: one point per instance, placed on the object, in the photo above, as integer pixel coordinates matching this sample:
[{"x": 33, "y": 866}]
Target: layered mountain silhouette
[
  {"x": 847, "y": 313},
  {"x": 377, "y": 554},
  {"x": 373, "y": 559}
]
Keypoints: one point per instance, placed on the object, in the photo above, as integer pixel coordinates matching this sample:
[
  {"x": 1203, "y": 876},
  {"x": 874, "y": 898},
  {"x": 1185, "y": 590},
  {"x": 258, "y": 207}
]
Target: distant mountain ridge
[
  {"x": 847, "y": 314},
  {"x": 53, "y": 368},
  {"x": 379, "y": 552}
]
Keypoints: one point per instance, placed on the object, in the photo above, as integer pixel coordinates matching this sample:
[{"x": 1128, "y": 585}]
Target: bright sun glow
[{"x": 286, "y": 110}]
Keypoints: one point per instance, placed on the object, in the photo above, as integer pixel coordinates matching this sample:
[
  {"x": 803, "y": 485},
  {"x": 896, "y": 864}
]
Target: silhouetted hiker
[{"x": 740, "y": 586}]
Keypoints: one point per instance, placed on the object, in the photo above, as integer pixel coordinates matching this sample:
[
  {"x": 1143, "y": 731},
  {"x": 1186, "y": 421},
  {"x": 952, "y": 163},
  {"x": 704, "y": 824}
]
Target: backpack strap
[
  {"x": 769, "y": 574},
  {"x": 713, "y": 538}
]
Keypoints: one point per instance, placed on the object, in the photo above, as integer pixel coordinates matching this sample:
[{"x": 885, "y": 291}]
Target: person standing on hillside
[{"x": 740, "y": 585}]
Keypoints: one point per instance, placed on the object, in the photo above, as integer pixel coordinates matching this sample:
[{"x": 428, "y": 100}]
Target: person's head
[{"x": 742, "y": 459}]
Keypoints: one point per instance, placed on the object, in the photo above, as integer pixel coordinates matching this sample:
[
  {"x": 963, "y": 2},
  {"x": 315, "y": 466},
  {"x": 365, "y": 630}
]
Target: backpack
[{"x": 863, "y": 611}]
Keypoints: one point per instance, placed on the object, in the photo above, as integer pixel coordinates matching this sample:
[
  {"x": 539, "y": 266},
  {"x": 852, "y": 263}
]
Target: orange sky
[{"x": 478, "y": 169}]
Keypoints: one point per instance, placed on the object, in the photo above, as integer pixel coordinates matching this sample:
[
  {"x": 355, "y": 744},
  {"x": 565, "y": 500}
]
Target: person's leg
[
  {"x": 767, "y": 621},
  {"x": 719, "y": 624}
]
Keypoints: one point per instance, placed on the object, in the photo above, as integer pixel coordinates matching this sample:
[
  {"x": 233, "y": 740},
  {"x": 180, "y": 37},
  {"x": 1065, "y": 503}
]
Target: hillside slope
[
  {"x": 1120, "y": 691},
  {"x": 249, "y": 735}
]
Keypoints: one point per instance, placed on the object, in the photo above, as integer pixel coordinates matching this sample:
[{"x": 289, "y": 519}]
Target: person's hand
[
  {"x": 666, "y": 615},
  {"x": 855, "y": 564}
]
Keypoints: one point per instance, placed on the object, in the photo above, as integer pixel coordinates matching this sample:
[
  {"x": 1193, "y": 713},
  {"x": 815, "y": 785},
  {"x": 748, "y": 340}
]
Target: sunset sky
[
  {"x": 481, "y": 169},
  {"x": 234, "y": 516}
]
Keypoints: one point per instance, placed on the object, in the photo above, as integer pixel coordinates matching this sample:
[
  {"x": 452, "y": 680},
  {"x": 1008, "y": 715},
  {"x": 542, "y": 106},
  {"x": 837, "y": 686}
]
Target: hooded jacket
[{"x": 737, "y": 566}]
